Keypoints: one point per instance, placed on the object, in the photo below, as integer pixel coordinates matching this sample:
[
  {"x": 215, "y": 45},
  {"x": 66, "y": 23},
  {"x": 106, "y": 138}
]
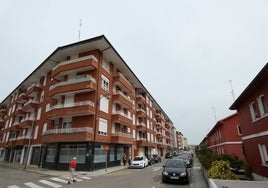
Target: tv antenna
[
  {"x": 79, "y": 32},
  {"x": 232, "y": 90},
  {"x": 213, "y": 108}
]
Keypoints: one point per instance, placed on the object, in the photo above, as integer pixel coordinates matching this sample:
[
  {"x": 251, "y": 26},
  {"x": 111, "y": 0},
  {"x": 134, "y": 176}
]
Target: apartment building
[
  {"x": 225, "y": 137},
  {"x": 252, "y": 110},
  {"x": 83, "y": 100},
  {"x": 179, "y": 139}
]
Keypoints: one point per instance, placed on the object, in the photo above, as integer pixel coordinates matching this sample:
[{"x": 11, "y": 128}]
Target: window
[
  {"x": 66, "y": 125},
  {"x": 100, "y": 155},
  {"x": 67, "y": 152},
  {"x": 36, "y": 132},
  {"x": 253, "y": 111},
  {"x": 104, "y": 83},
  {"x": 42, "y": 96},
  {"x": 239, "y": 130},
  {"x": 263, "y": 153},
  {"x": 262, "y": 105},
  {"x": 51, "y": 153},
  {"x": 112, "y": 153},
  {"x": 103, "y": 126}
]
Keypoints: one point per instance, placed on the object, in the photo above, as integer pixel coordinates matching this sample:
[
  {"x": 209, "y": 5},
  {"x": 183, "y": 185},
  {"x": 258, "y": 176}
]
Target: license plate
[{"x": 174, "y": 177}]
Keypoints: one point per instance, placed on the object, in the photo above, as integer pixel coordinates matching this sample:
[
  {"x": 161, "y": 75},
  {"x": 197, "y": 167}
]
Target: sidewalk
[{"x": 60, "y": 173}]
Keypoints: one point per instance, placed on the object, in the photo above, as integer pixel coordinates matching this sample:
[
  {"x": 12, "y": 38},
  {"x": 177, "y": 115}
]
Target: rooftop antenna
[
  {"x": 232, "y": 90},
  {"x": 213, "y": 108},
  {"x": 79, "y": 32}
]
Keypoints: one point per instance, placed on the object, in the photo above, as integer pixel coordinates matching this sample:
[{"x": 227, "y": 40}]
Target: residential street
[{"x": 150, "y": 177}]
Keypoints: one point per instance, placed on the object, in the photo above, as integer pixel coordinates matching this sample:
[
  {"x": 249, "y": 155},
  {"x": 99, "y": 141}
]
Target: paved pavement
[{"x": 60, "y": 173}]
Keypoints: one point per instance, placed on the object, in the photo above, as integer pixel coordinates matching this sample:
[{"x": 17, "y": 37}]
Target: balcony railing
[
  {"x": 33, "y": 85},
  {"x": 122, "y": 134},
  {"x": 83, "y": 103},
  {"x": 75, "y": 61},
  {"x": 69, "y": 131},
  {"x": 117, "y": 112},
  {"x": 73, "y": 81}
]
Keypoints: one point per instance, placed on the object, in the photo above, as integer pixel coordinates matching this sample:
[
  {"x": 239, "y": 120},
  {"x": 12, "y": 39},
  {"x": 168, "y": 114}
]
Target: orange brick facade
[{"x": 82, "y": 97}]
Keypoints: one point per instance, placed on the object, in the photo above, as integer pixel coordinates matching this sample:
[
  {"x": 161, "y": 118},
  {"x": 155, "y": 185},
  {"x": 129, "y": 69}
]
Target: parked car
[
  {"x": 157, "y": 158},
  {"x": 139, "y": 162},
  {"x": 175, "y": 170},
  {"x": 150, "y": 159},
  {"x": 169, "y": 155},
  {"x": 187, "y": 158}
]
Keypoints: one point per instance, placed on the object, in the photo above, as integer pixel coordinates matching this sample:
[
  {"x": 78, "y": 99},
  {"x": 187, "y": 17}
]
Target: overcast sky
[{"x": 185, "y": 52}]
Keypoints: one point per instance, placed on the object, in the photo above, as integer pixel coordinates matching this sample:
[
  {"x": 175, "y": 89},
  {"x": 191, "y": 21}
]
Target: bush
[{"x": 221, "y": 170}]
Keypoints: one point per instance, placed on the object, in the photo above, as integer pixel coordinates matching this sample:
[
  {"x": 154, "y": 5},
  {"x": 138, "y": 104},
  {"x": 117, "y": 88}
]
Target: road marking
[
  {"x": 85, "y": 177},
  {"x": 13, "y": 186},
  {"x": 156, "y": 168},
  {"x": 32, "y": 185},
  {"x": 59, "y": 180},
  {"x": 50, "y": 183}
]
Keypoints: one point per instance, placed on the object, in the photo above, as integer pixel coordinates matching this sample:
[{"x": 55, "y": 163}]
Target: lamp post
[
  {"x": 107, "y": 96},
  {"x": 29, "y": 142}
]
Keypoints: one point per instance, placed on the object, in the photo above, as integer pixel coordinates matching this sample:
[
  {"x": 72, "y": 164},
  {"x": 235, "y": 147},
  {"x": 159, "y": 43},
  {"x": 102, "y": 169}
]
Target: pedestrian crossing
[{"x": 53, "y": 182}]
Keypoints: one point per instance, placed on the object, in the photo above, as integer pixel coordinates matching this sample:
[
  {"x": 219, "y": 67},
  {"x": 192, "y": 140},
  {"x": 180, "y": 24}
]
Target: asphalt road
[{"x": 149, "y": 177}]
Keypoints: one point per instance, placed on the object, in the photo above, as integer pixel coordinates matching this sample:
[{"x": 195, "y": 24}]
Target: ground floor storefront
[
  {"x": 22, "y": 155},
  {"x": 89, "y": 156}
]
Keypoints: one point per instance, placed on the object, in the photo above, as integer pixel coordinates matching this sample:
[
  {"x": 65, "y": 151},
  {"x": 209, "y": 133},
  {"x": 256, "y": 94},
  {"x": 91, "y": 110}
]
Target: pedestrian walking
[
  {"x": 124, "y": 159},
  {"x": 72, "y": 167}
]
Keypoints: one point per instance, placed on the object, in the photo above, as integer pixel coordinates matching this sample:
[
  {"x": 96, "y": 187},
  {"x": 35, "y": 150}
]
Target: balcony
[
  {"x": 79, "y": 134},
  {"x": 76, "y": 85},
  {"x": 21, "y": 140},
  {"x": 1, "y": 123},
  {"x": 141, "y": 127},
  {"x": 120, "y": 80},
  {"x": 160, "y": 145},
  {"x": 23, "y": 98},
  {"x": 72, "y": 109},
  {"x": 26, "y": 123},
  {"x": 30, "y": 105},
  {"x": 19, "y": 112},
  {"x": 142, "y": 142},
  {"x": 140, "y": 112},
  {"x": 122, "y": 138},
  {"x": 82, "y": 64},
  {"x": 159, "y": 134},
  {"x": 152, "y": 144},
  {"x": 33, "y": 90},
  {"x": 3, "y": 112},
  {"x": 122, "y": 99},
  {"x": 140, "y": 99},
  {"x": 121, "y": 117}
]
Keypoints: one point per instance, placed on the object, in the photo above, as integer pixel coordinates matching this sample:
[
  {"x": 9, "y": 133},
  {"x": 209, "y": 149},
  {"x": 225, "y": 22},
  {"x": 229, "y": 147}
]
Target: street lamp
[{"x": 108, "y": 97}]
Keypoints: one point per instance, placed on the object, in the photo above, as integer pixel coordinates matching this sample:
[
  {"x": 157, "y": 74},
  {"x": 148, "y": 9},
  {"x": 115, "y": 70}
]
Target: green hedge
[{"x": 207, "y": 159}]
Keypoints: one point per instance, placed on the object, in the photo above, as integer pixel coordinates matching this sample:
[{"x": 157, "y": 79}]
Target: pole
[
  {"x": 95, "y": 130},
  {"x": 29, "y": 143},
  {"x": 106, "y": 161}
]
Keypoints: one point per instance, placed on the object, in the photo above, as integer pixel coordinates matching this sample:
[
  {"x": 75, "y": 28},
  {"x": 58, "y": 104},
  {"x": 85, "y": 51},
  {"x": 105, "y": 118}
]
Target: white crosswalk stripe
[
  {"x": 32, "y": 185},
  {"x": 79, "y": 179},
  {"x": 50, "y": 183},
  {"x": 59, "y": 180},
  {"x": 85, "y": 178}
]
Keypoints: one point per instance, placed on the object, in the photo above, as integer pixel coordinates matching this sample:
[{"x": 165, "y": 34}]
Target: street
[{"x": 149, "y": 177}]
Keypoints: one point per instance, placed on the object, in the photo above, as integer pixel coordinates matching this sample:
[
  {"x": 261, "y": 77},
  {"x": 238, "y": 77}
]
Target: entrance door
[{"x": 35, "y": 156}]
